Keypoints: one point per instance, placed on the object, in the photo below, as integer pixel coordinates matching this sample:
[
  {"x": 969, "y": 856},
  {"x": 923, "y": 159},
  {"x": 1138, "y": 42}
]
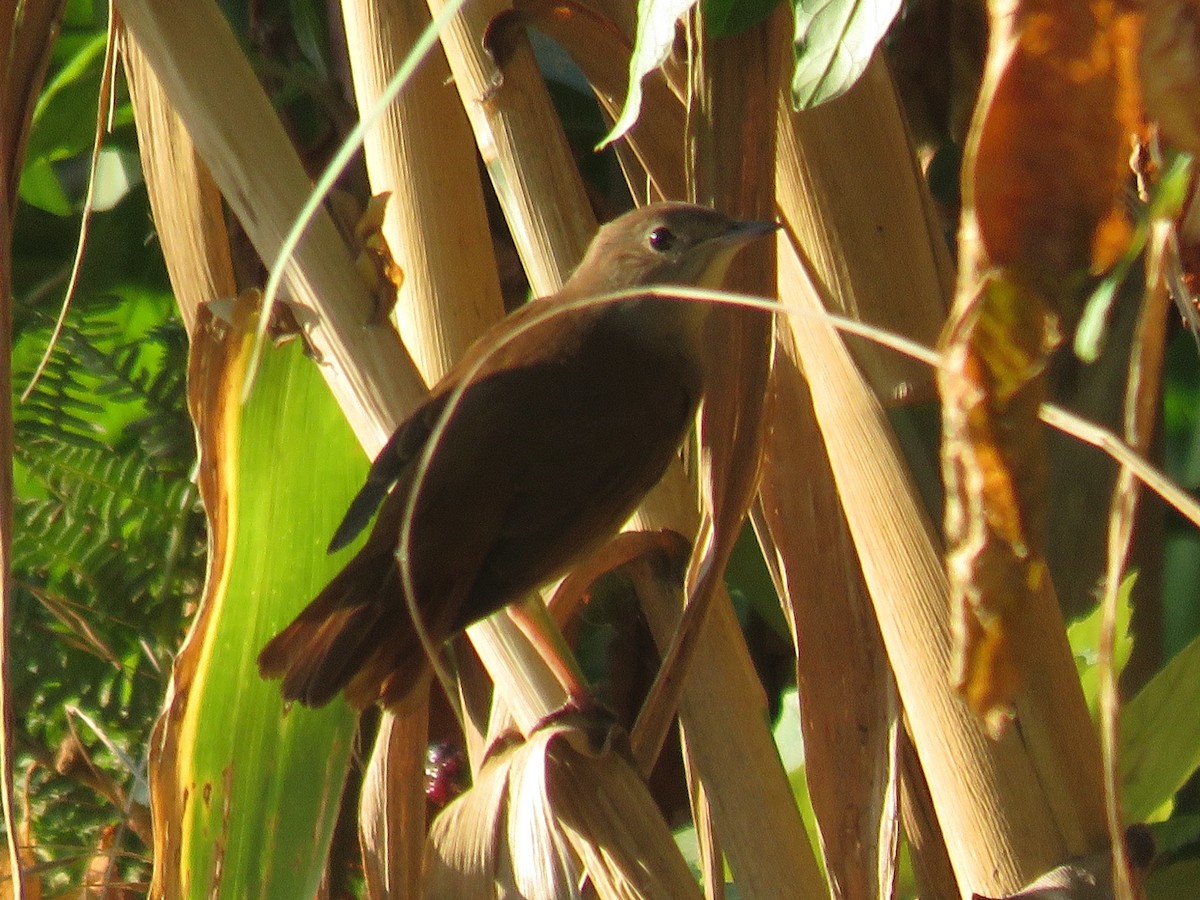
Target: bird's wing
[
  {"x": 397, "y": 454},
  {"x": 534, "y": 349}
]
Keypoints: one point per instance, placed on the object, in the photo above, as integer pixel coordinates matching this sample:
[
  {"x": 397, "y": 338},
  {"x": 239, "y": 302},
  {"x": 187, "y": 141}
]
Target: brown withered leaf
[
  {"x": 994, "y": 465},
  {"x": 1169, "y": 65},
  {"x": 391, "y": 810},
  {"x": 1042, "y": 211},
  {"x": 1050, "y": 142}
]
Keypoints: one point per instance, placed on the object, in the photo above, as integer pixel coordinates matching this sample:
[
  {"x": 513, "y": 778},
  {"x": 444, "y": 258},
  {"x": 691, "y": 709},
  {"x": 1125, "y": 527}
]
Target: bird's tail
[{"x": 355, "y": 636}]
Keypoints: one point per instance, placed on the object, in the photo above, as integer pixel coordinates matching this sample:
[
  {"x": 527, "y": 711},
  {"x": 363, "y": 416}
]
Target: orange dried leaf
[
  {"x": 995, "y": 472},
  {"x": 374, "y": 261},
  {"x": 1043, "y": 211},
  {"x": 1050, "y": 150}
]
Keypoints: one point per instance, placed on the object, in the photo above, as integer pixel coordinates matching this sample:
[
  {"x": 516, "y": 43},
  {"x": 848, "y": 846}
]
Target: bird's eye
[{"x": 662, "y": 239}]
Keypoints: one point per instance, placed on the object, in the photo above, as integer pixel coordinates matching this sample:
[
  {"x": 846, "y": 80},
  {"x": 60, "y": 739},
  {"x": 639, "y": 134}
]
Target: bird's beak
[
  {"x": 744, "y": 232},
  {"x": 726, "y": 246}
]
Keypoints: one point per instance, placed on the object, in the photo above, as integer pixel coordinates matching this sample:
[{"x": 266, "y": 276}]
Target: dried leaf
[
  {"x": 1050, "y": 142},
  {"x": 391, "y": 812},
  {"x": 852, "y": 781},
  {"x": 994, "y": 464},
  {"x": 1043, "y": 185},
  {"x": 374, "y": 261},
  {"x": 724, "y": 715},
  {"x": 617, "y": 831},
  {"x": 544, "y": 812},
  {"x": 1169, "y": 64},
  {"x": 467, "y": 841}
]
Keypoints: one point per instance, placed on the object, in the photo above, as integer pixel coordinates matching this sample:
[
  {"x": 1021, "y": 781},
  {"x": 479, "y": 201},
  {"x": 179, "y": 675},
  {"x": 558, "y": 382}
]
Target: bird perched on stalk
[{"x": 554, "y": 442}]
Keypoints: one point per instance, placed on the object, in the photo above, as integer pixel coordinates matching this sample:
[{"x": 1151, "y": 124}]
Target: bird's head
[{"x": 664, "y": 243}]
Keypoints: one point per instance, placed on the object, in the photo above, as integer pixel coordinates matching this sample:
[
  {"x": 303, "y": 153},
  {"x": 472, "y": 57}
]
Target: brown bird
[{"x": 553, "y": 444}]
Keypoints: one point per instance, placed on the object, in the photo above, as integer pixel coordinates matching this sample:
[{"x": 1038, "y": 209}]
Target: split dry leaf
[
  {"x": 391, "y": 818},
  {"x": 523, "y": 146},
  {"x": 422, "y": 153},
  {"x": 729, "y": 747},
  {"x": 185, "y": 201},
  {"x": 877, "y": 254},
  {"x": 215, "y": 94},
  {"x": 1043, "y": 182},
  {"x": 730, "y": 111},
  {"x": 543, "y": 813}
]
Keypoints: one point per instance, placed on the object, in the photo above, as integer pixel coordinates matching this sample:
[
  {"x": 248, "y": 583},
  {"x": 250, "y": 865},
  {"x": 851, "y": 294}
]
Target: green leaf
[
  {"x": 64, "y": 128},
  {"x": 79, "y": 13},
  {"x": 259, "y": 784},
  {"x": 311, "y": 29},
  {"x": 40, "y": 187},
  {"x": 1174, "y": 882},
  {"x": 723, "y": 18},
  {"x": 1160, "y": 737},
  {"x": 1176, "y": 833},
  {"x": 833, "y": 43},
  {"x": 1084, "y": 637},
  {"x": 1166, "y": 203},
  {"x": 1173, "y": 188},
  {"x": 655, "y": 35},
  {"x": 1089, "y": 333},
  {"x": 64, "y": 120}
]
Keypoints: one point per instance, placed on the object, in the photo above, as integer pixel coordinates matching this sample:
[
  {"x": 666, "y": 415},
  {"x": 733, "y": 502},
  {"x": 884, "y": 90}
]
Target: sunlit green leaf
[
  {"x": 655, "y": 35},
  {"x": 1169, "y": 196},
  {"x": 40, "y": 187},
  {"x": 833, "y": 43},
  {"x": 1084, "y": 636},
  {"x": 1160, "y": 737},
  {"x": 263, "y": 783},
  {"x": 64, "y": 120}
]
